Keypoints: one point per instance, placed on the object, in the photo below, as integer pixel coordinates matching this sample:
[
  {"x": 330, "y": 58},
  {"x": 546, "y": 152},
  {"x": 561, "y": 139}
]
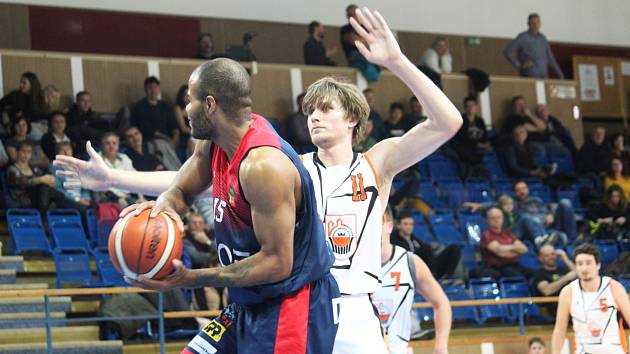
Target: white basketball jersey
[
  {"x": 595, "y": 321},
  {"x": 395, "y": 298},
  {"x": 348, "y": 204}
]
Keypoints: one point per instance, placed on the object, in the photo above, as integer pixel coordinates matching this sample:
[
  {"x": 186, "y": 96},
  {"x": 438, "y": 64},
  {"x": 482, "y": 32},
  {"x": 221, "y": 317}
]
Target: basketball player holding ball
[{"x": 351, "y": 190}]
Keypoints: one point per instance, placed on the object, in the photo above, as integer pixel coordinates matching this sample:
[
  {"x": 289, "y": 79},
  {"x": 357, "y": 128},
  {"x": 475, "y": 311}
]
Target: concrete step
[
  {"x": 12, "y": 262},
  {"x": 7, "y": 276},
  {"x": 25, "y": 286},
  {"x": 35, "y": 304},
  {"x": 38, "y": 335},
  {"x": 33, "y": 319},
  {"x": 93, "y": 347}
]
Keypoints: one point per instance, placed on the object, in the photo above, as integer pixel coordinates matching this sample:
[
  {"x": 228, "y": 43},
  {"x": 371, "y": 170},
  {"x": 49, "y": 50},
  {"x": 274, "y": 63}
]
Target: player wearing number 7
[
  {"x": 403, "y": 273},
  {"x": 593, "y": 302}
]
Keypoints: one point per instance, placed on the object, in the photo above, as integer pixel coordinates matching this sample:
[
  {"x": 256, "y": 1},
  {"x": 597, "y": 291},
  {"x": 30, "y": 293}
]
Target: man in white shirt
[{"x": 438, "y": 57}]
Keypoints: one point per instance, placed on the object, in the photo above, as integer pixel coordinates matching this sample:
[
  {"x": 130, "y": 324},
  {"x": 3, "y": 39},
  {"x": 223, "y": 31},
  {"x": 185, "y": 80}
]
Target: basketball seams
[
  {"x": 119, "y": 251},
  {"x": 140, "y": 252},
  {"x": 166, "y": 254}
]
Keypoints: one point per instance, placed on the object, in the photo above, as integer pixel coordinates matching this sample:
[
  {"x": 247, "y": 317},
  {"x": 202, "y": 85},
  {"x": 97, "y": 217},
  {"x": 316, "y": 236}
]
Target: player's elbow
[{"x": 282, "y": 269}]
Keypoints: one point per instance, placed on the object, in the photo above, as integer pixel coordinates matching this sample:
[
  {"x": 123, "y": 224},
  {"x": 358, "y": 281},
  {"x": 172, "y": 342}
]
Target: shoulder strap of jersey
[{"x": 412, "y": 266}]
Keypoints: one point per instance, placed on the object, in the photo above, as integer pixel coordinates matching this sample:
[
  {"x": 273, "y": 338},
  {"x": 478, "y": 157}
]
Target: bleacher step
[
  {"x": 146, "y": 348},
  {"x": 12, "y": 262},
  {"x": 92, "y": 347},
  {"x": 7, "y": 276},
  {"x": 33, "y": 319},
  {"x": 35, "y": 304},
  {"x": 38, "y": 335},
  {"x": 24, "y": 286}
]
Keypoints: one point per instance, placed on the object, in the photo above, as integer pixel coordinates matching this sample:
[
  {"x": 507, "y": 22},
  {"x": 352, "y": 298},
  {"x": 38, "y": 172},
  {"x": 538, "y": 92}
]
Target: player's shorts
[
  {"x": 359, "y": 327},
  {"x": 600, "y": 349},
  {"x": 299, "y": 323}
]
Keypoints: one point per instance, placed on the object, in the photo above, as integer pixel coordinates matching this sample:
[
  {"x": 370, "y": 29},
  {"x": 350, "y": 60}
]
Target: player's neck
[
  {"x": 591, "y": 285},
  {"x": 230, "y": 137},
  {"x": 336, "y": 155},
  {"x": 386, "y": 252}
]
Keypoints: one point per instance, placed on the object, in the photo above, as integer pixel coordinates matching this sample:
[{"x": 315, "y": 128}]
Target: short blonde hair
[{"x": 324, "y": 91}]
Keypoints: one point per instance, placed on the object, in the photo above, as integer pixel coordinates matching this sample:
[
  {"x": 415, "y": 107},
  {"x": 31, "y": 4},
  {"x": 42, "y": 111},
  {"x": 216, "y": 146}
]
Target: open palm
[
  {"x": 379, "y": 45},
  {"x": 92, "y": 174}
]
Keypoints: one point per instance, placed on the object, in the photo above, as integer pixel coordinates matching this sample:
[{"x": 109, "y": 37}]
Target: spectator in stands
[
  {"x": 69, "y": 190},
  {"x": 52, "y": 99},
  {"x": 595, "y": 154},
  {"x": 536, "y": 346},
  {"x": 416, "y": 112},
  {"x": 367, "y": 141},
  {"x": 530, "y": 52},
  {"x": 142, "y": 155},
  {"x": 31, "y": 187},
  {"x": 438, "y": 57},
  {"x": 205, "y": 46},
  {"x": 549, "y": 279},
  {"x": 315, "y": 53},
  {"x": 297, "y": 128},
  {"x": 610, "y": 218},
  {"x": 113, "y": 158},
  {"x": 544, "y": 225},
  {"x": 500, "y": 249},
  {"x": 348, "y": 34},
  {"x": 56, "y": 134},
  {"x": 471, "y": 141},
  {"x": 618, "y": 148},
  {"x": 519, "y": 157},
  {"x": 156, "y": 120},
  {"x": 40, "y": 123},
  {"x": 27, "y": 101},
  {"x": 181, "y": 100},
  {"x": 379, "y": 132},
  {"x": 4, "y": 157},
  {"x": 442, "y": 263},
  {"x": 83, "y": 123},
  {"x": 618, "y": 174},
  {"x": 555, "y": 132},
  {"x": 398, "y": 123},
  {"x": 19, "y": 133}
]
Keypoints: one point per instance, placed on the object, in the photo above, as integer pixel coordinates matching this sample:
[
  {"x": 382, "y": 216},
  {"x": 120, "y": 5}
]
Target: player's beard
[{"x": 201, "y": 128}]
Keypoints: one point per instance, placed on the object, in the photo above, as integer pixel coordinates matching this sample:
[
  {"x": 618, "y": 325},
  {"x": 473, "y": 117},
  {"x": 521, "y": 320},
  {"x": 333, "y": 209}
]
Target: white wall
[{"x": 602, "y": 22}]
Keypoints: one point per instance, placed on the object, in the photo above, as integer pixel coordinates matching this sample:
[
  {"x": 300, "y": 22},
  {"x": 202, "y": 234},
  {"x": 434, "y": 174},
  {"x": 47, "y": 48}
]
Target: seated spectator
[
  {"x": 205, "y": 47},
  {"x": 30, "y": 187},
  {"x": 610, "y": 218},
  {"x": 56, "y": 134},
  {"x": 27, "y": 101},
  {"x": 471, "y": 141},
  {"x": 618, "y": 174},
  {"x": 500, "y": 249},
  {"x": 438, "y": 57},
  {"x": 70, "y": 187},
  {"x": 367, "y": 141},
  {"x": 595, "y": 154},
  {"x": 536, "y": 346},
  {"x": 297, "y": 128},
  {"x": 19, "y": 133},
  {"x": 441, "y": 263},
  {"x": 156, "y": 120},
  {"x": 202, "y": 250},
  {"x": 618, "y": 148},
  {"x": 398, "y": 123},
  {"x": 519, "y": 157},
  {"x": 416, "y": 112},
  {"x": 83, "y": 123},
  {"x": 378, "y": 131},
  {"x": 348, "y": 34},
  {"x": 181, "y": 100},
  {"x": 314, "y": 51},
  {"x": 142, "y": 155},
  {"x": 550, "y": 279},
  {"x": 52, "y": 99},
  {"x": 40, "y": 123},
  {"x": 537, "y": 221},
  {"x": 555, "y": 131},
  {"x": 113, "y": 158}
]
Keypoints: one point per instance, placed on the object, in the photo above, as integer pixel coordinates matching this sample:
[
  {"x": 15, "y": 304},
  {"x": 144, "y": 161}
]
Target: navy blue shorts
[{"x": 299, "y": 323}]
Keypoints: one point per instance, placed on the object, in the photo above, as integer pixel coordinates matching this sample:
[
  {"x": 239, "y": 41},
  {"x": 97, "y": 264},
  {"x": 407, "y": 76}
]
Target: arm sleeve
[
  {"x": 430, "y": 59},
  {"x": 447, "y": 63},
  {"x": 510, "y": 51},
  {"x": 553, "y": 62}
]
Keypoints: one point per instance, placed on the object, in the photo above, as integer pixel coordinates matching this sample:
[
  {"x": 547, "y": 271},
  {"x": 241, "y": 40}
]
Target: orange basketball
[{"x": 139, "y": 245}]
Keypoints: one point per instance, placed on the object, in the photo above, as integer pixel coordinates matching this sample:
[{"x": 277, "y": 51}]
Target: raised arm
[
  {"x": 429, "y": 288},
  {"x": 562, "y": 321},
  {"x": 549, "y": 288},
  {"x": 97, "y": 176},
  {"x": 391, "y": 156}
]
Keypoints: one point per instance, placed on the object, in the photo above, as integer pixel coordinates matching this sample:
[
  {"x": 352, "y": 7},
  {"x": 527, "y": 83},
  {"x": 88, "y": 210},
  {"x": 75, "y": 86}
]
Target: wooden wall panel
[
  {"x": 310, "y": 74},
  {"x": 611, "y": 102},
  {"x": 488, "y": 56},
  {"x": 503, "y": 89},
  {"x": 271, "y": 91},
  {"x": 456, "y": 88},
  {"x": 113, "y": 83},
  {"x": 15, "y": 31},
  {"x": 562, "y": 108},
  {"x": 389, "y": 89},
  {"x": 173, "y": 75},
  {"x": 49, "y": 70}
]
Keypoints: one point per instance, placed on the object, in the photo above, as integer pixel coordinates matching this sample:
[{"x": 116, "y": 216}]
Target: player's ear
[{"x": 211, "y": 103}]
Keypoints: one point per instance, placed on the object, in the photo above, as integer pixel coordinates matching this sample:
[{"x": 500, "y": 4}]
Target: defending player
[{"x": 592, "y": 302}]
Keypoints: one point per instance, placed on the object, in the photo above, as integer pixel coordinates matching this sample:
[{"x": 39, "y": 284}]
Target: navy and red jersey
[{"x": 234, "y": 231}]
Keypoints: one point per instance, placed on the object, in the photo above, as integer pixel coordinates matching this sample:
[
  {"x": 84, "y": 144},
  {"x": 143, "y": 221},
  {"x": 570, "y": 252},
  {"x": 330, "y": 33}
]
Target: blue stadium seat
[
  {"x": 91, "y": 219},
  {"x": 608, "y": 250},
  {"x": 103, "y": 228},
  {"x": 624, "y": 246},
  {"x": 68, "y": 235},
  {"x": 422, "y": 233},
  {"x": 72, "y": 266},
  {"x": 515, "y": 287},
  {"x": 26, "y": 231},
  {"x": 624, "y": 279},
  {"x": 479, "y": 190},
  {"x": 442, "y": 216},
  {"x": 487, "y": 289},
  {"x": 469, "y": 257},
  {"x": 459, "y": 293},
  {"x": 571, "y": 193},
  {"x": 424, "y": 314},
  {"x": 503, "y": 186},
  {"x": 491, "y": 162},
  {"x": 108, "y": 275},
  {"x": 423, "y": 167},
  {"x": 540, "y": 190},
  {"x": 442, "y": 167},
  {"x": 564, "y": 162},
  {"x": 429, "y": 194},
  {"x": 64, "y": 216},
  {"x": 529, "y": 260},
  {"x": 448, "y": 234}
]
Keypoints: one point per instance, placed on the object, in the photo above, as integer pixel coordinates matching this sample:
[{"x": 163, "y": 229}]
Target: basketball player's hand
[
  {"x": 156, "y": 208},
  {"x": 93, "y": 174},
  {"x": 180, "y": 278},
  {"x": 378, "y": 44}
]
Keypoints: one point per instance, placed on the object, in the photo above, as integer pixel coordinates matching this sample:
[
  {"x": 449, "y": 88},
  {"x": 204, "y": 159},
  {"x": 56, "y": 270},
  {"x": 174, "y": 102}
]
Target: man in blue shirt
[{"x": 530, "y": 52}]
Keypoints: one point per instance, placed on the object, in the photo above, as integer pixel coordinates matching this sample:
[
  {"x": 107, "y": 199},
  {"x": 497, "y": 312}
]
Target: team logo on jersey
[
  {"x": 384, "y": 308},
  {"x": 340, "y": 232},
  {"x": 232, "y": 196},
  {"x": 595, "y": 328}
]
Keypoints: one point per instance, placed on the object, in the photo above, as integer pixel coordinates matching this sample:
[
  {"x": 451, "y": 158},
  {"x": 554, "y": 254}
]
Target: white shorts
[
  {"x": 599, "y": 349},
  {"x": 359, "y": 328}
]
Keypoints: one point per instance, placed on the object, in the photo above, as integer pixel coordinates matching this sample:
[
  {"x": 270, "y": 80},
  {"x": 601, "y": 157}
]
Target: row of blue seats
[{"x": 73, "y": 267}]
